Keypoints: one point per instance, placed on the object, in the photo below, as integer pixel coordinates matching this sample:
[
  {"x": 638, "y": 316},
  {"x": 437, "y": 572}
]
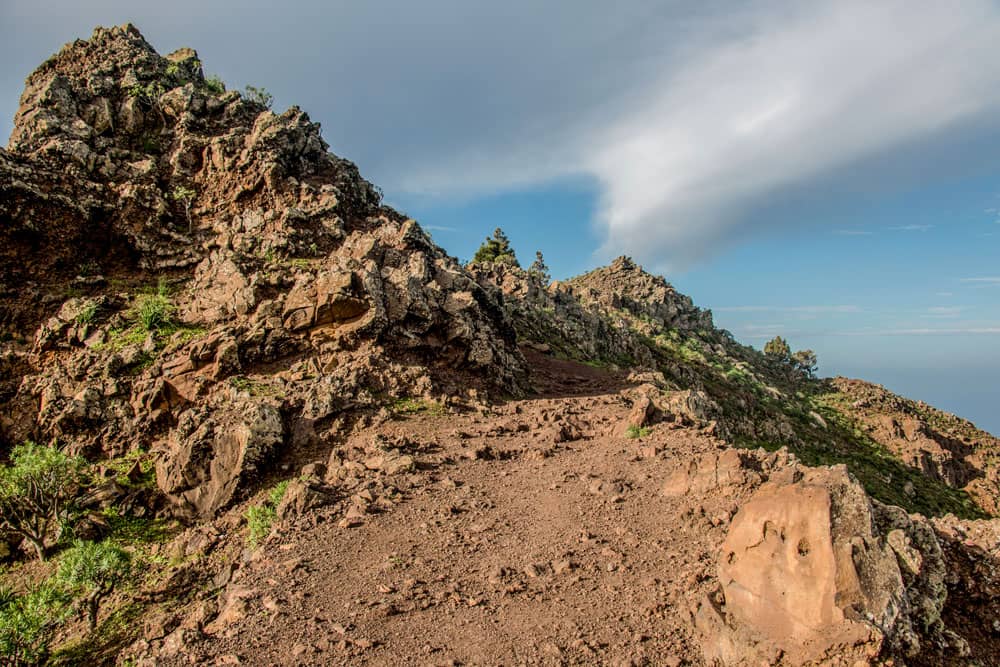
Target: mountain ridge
[{"x": 193, "y": 284}]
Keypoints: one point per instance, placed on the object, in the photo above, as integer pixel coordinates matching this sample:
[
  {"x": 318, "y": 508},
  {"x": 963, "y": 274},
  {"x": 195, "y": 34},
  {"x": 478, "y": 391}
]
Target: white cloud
[
  {"x": 851, "y": 232},
  {"x": 753, "y": 105},
  {"x": 911, "y": 228},
  {"x": 992, "y": 280}
]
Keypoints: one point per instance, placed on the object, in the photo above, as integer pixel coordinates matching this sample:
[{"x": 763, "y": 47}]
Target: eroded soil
[{"x": 536, "y": 533}]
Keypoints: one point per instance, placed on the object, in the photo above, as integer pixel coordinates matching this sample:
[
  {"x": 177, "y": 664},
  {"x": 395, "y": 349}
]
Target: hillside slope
[{"x": 325, "y": 440}]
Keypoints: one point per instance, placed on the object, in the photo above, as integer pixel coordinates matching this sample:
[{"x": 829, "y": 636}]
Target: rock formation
[
  {"x": 812, "y": 571},
  {"x": 125, "y": 168}
]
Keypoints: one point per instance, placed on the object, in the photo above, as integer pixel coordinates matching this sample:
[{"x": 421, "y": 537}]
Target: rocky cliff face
[
  {"x": 939, "y": 444},
  {"x": 285, "y": 282}
]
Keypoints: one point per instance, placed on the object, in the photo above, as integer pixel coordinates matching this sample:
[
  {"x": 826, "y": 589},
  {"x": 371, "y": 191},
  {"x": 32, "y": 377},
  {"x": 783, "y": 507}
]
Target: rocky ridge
[{"x": 285, "y": 261}]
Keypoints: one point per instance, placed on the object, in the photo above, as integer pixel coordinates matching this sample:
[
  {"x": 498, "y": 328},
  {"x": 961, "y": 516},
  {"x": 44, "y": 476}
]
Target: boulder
[
  {"x": 300, "y": 497},
  {"x": 210, "y": 455},
  {"x": 812, "y": 569}
]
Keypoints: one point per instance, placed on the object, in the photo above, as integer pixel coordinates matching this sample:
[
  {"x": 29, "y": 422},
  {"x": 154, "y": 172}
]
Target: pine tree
[
  {"x": 539, "y": 268},
  {"x": 805, "y": 361},
  {"x": 496, "y": 249}
]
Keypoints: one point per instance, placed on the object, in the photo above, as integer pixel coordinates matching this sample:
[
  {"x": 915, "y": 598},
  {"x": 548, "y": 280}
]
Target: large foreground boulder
[{"x": 814, "y": 572}]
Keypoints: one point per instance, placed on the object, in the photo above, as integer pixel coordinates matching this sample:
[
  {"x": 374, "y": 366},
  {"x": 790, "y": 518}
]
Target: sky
[{"x": 828, "y": 172}]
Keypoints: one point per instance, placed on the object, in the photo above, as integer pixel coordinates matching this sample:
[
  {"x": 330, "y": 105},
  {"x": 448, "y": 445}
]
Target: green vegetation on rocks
[
  {"x": 261, "y": 517},
  {"x": 28, "y": 622},
  {"x": 93, "y": 570},
  {"x": 39, "y": 491}
]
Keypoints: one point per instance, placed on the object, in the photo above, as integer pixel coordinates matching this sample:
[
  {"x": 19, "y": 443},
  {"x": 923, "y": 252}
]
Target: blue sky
[{"x": 829, "y": 172}]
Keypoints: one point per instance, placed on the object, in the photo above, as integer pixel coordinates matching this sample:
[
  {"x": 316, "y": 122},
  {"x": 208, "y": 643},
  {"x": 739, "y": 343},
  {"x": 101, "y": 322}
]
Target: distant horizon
[{"x": 827, "y": 173}]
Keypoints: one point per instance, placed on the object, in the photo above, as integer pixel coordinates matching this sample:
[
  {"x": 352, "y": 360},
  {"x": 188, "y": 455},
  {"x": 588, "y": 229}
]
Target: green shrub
[
  {"x": 38, "y": 490},
  {"x": 93, "y": 570},
  {"x": 805, "y": 361},
  {"x": 496, "y": 249},
  {"x": 259, "y": 96},
  {"x": 253, "y": 387},
  {"x": 261, "y": 517},
  {"x": 412, "y": 406},
  {"x": 777, "y": 348},
  {"x": 153, "y": 312},
  {"x": 27, "y": 623},
  {"x": 215, "y": 84},
  {"x": 148, "y": 93},
  {"x": 634, "y": 432},
  {"x": 87, "y": 313}
]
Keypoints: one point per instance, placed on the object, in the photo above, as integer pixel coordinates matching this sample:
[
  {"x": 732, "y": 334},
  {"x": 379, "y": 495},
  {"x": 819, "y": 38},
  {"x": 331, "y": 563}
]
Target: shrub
[
  {"x": 27, "y": 623},
  {"x": 154, "y": 311},
  {"x": 412, "y": 406},
  {"x": 149, "y": 93},
  {"x": 259, "y": 96},
  {"x": 93, "y": 570},
  {"x": 777, "y": 348},
  {"x": 38, "y": 491},
  {"x": 496, "y": 249},
  {"x": 261, "y": 517},
  {"x": 185, "y": 196},
  {"x": 634, "y": 432},
  {"x": 87, "y": 313},
  {"x": 215, "y": 84},
  {"x": 805, "y": 361}
]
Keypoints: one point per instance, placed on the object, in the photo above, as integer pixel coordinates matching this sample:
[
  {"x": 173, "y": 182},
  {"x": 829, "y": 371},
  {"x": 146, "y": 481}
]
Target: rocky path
[{"x": 538, "y": 534}]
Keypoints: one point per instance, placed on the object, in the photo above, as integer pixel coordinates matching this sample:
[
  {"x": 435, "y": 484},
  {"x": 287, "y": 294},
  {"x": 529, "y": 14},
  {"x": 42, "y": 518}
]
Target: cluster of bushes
[
  {"x": 87, "y": 573},
  {"x": 40, "y": 492},
  {"x": 804, "y": 360}
]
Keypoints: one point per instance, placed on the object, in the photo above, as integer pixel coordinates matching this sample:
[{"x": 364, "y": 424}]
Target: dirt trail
[{"x": 511, "y": 548}]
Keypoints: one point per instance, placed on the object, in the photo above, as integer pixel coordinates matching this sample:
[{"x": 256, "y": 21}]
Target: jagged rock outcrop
[
  {"x": 284, "y": 275},
  {"x": 583, "y": 317},
  {"x": 624, "y": 286},
  {"x": 553, "y": 318},
  {"x": 812, "y": 571}
]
